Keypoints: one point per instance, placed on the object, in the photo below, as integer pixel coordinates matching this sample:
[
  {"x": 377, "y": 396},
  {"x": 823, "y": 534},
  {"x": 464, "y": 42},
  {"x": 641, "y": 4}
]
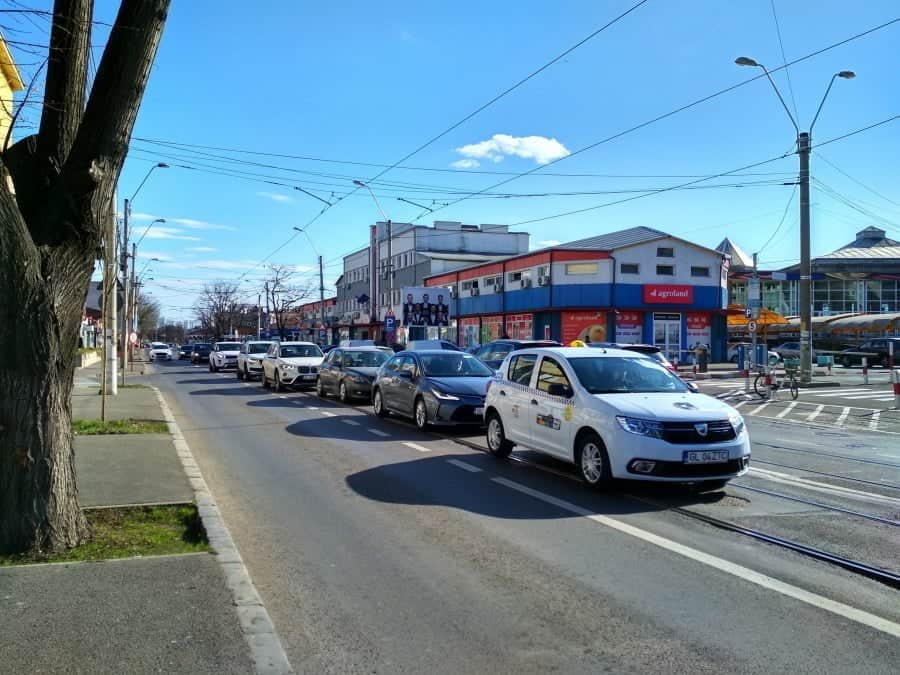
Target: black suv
[
  {"x": 876, "y": 350},
  {"x": 494, "y": 352},
  {"x": 200, "y": 352}
]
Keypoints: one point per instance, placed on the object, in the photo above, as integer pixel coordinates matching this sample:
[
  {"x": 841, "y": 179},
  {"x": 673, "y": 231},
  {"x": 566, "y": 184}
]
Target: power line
[
  {"x": 858, "y": 131},
  {"x": 781, "y": 222},
  {"x": 860, "y": 183},
  {"x": 784, "y": 60}
]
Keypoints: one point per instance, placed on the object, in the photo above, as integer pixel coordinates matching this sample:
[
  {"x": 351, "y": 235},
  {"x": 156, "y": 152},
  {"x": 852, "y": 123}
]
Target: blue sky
[{"x": 369, "y": 82}]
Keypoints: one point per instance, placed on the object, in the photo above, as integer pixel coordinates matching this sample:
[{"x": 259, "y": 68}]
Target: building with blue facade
[{"x": 635, "y": 285}]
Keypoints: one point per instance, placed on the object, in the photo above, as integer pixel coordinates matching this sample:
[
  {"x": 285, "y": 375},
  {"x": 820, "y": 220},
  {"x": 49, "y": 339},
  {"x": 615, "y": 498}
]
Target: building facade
[
  {"x": 635, "y": 285},
  {"x": 10, "y": 83}
]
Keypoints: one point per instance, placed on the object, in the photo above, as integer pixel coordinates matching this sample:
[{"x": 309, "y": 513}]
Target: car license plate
[
  {"x": 309, "y": 377},
  {"x": 705, "y": 456},
  {"x": 479, "y": 411}
]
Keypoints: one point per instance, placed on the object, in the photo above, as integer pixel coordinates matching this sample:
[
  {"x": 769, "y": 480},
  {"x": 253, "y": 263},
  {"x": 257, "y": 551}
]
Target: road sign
[
  {"x": 751, "y": 326},
  {"x": 133, "y": 338},
  {"x": 748, "y": 313},
  {"x": 390, "y": 323}
]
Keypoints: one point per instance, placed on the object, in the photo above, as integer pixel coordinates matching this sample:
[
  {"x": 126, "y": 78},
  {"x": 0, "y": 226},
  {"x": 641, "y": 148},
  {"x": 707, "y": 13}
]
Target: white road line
[
  {"x": 280, "y": 396},
  {"x": 877, "y": 394},
  {"x": 845, "y": 413},
  {"x": 784, "y": 413},
  {"x": 463, "y": 465},
  {"x": 756, "y": 410},
  {"x": 873, "y": 423},
  {"x": 379, "y": 432},
  {"x": 815, "y": 413},
  {"x": 352, "y": 423},
  {"x": 328, "y": 414},
  {"x": 739, "y": 404},
  {"x": 828, "y": 488},
  {"x": 739, "y": 571},
  {"x": 842, "y": 392},
  {"x": 309, "y": 407},
  {"x": 416, "y": 446}
]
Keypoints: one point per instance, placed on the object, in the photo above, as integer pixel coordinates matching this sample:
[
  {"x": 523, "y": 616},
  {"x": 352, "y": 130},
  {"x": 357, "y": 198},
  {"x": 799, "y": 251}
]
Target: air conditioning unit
[
  {"x": 474, "y": 292},
  {"x": 543, "y": 281},
  {"x": 525, "y": 283},
  {"x": 453, "y": 291}
]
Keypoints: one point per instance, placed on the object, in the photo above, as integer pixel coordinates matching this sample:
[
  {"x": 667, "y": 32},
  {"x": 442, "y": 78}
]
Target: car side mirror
[
  {"x": 557, "y": 389},
  {"x": 404, "y": 375},
  {"x": 692, "y": 387}
]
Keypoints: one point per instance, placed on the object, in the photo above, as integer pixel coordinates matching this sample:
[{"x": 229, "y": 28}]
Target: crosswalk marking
[
  {"x": 757, "y": 409},
  {"x": 815, "y": 413},
  {"x": 845, "y": 413},
  {"x": 739, "y": 404},
  {"x": 874, "y": 394},
  {"x": 790, "y": 406},
  {"x": 873, "y": 423},
  {"x": 843, "y": 392}
]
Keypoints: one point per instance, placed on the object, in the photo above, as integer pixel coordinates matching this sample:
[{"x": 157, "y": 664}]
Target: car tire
[
  {"x": 420, "y": 414},
  {"x": 277, "y": 387},
  {"x": 846, "y": 362},
  {"x": 884, "y": 362},
  {"x": 592, "y": 460},
  {"x": 265, "y": 380},
  {"x": 320, "y": 388},
  {"x": 378, "y": 404},
  {"x": 497, "y": 443},
  {"x": 240, "y": 373},
  {"x": 342, "y": 393}
]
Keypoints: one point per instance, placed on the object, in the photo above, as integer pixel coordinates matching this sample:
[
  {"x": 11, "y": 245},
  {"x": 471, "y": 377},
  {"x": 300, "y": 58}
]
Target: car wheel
[
  {"x": 420, "y": 414},
  {"x": 378, "y": 404},
  {"x": 265, "y": 380},
  {"x": 320, "y": 388},
  {"x": 884, "y": 362},
  {"x": 240, "y": 373},
  {"x": 496, "y": 437},
  {"x": 277, "y": 387},
  {"x": 845, "y": 362},
  {"x": 345, "y": 398},
  {"x": 592, "y": 460}
]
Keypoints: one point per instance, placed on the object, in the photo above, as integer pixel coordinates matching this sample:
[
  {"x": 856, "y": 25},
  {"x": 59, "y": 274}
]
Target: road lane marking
[
  {"x": 465, "y": 466},
  {"x": 859, "y": 397},
  {"x": 873, "y": 423},
  {"x": 739, "y": 404},
  {"x": 352, "y": 423},
  {"x": 756, "y": 410},
  {"x": 745, "y": 573},
  {"x": 845, "y": 413},
  {"x": 815, "y": 413},
  {"x": 784, "y": 413},
  {"x": 416, "y": 446},
  {"x": 328, "y": 414},
  {"x": 790, "y": 479},
  {"x": 309, "y": 407},
  {"x": 840, "y": 393},
  {"x": 280, "y": 396},
  {"x": 379, "y": 432}
]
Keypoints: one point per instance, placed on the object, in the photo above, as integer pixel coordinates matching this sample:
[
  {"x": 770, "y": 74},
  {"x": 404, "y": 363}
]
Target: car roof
[
  {"x": 579, "y": 352},
  {"x": 295, "y": 344},
  {"x": 365, "y": 348},
  {"x": 445, "y": 352}
]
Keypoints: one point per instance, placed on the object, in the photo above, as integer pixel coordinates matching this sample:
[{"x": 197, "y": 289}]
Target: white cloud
[
  {"x": 539, "y": 148},
  {"x": 201, "y": 249},
  {"x": 549, "y": 242},
  {"x": 189, "y": 223},
  {"x": 465, "y": 164},
  {"x": 153, "y": 254},
  {"x": 159, "y": 232},
  {"x": 274, "y": 196}
]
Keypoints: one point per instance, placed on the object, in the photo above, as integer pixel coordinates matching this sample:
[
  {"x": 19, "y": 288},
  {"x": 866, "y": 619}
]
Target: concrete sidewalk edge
[{"x": 266, "y": 650}]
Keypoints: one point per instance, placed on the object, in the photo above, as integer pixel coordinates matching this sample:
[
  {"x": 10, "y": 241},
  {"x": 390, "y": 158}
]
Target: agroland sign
[{"x": 668, "y": 294}]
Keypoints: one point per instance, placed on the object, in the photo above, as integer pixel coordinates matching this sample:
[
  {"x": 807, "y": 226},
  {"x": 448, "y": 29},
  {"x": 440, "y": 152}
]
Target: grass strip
[
  {"x": 128, "y": 426},
  {"x": 130, "y": 532}
]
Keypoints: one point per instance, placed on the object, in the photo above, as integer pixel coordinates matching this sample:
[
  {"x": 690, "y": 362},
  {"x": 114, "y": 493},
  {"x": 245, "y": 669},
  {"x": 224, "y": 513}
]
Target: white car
[
  {"x": 614, "y": 414},
  {"x": 223, "y": 355},
  {"x": 160, "y": 350},
  {"x": 250, "y": 358},
  {"x": 291, "y": 364}
]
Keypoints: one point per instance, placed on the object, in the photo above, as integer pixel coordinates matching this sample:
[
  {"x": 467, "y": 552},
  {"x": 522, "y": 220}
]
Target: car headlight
[
  {"x": 640, "y": 427},
  {"x": 288, "y": 366},
  {"x": 737, "y": 422},
  {"x": 360, "y": 379},
  {"x": 444, "y": 396}
]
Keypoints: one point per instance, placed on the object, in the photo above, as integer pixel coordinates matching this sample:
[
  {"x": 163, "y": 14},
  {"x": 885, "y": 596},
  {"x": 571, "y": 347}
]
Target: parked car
[
  {"x": 160, "y": 350},
  {"x": 614, "y": 414},
  {"x": 223, "y": 355},
  {"x": 200, "y": 351},
  {"x": 791, "y": 350},
  {"x": 494, "y": 352},
  {"x": 652, "y": 351},
  {"x": 774, "y": 357},
  {"x": 349, "y": 373},
  {"x": 326, "y": 349},
  {"x": 432, "y": 387},
  {"x": 291, "y": 364},
  {"x": 877, "y": 350},
  {"x": 423, "y": 345},
  {"x": 250, "y": 358},
  {"x": 185, "y": 351}
]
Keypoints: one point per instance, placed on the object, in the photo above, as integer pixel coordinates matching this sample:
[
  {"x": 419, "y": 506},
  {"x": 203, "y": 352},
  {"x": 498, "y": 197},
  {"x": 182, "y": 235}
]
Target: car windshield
[
  {"x": 452, "y": 364},
  {"x": 229, "y": 346},
  {"x": 365, "y": 359},
  {"x": 622, "y": 375},
  {"x": 294, "y": 351},
  {"x": 201, "y": 345},
  {"x": 258, "y": 348},
  {"x": 159, "y": 345}
]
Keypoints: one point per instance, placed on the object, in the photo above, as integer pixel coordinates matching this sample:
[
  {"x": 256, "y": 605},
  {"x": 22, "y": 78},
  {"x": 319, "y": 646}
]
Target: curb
[{"x": 266, "y": 651}]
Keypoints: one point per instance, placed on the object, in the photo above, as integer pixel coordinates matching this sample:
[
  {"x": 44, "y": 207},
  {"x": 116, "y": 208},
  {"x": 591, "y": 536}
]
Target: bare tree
[
  {"x": 50, "y": 233},
  {"x": 284, "y": 294},
  {"x": 221, "y": 312},
  {"x": 147, "y": 314}
]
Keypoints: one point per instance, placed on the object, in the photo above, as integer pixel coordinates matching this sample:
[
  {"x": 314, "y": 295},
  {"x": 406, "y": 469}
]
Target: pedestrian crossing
[
  {"x": 845, "y": 417},
  {"x": 874, "y": 395}
]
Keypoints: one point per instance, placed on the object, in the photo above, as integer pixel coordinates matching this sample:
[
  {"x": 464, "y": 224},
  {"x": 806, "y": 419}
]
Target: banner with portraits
[{"x": 425, "y": 306}]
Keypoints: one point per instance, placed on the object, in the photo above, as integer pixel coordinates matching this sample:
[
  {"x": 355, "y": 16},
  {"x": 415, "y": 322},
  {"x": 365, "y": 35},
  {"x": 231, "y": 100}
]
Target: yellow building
[{"x": 10, "y": 82}]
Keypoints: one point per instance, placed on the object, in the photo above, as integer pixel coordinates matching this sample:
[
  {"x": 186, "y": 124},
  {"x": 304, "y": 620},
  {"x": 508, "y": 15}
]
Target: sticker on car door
[{"x": 548, "y": 421}]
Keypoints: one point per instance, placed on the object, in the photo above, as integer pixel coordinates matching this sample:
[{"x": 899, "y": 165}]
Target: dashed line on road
[
  {"x": 873, "y": 423},
  {"x": 379, "y": 432},
  {"x": 352, "y": 423},
  {"x": 416, "y": 446},
  {"x": 328, "y": 414},
  {"x": 464, "y": 465},
  {"x": 726, "y": 566}
]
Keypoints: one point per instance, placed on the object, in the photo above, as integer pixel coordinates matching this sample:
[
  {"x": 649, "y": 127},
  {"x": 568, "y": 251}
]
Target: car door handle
[{"x": 534, "y": 401}]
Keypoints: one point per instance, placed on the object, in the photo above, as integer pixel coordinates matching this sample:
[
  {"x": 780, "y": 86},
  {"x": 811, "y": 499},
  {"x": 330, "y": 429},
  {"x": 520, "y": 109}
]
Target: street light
[
  {"x": 321, "y": 276},
  {"x": 390, "y": 265},
  {"x": 804, "y": 144},
  {"x": 158, "y": 220}
]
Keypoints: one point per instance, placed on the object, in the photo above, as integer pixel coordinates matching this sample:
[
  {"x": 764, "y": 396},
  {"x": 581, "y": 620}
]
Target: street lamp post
[
  {"x": 321, "y": 277},
  {"x": 804, "y": 145},
  {"x": 390, "y": 237}
]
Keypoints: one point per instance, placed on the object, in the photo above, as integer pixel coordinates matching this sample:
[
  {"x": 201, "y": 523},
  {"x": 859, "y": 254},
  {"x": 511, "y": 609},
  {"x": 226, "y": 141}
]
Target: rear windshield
[
  {"x": 295, "y": 351},
  {"x": 228, "y": 346},
  {"x": 258, "y": 348},
  {"x": 201, "y": 345},
  {"x": 365, "y": 359},
  {"x": 454, "y": 364}
]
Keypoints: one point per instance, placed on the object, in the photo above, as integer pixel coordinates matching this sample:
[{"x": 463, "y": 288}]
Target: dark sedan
[
  {"x": 349, "y": 372},
  {"x": 494, "y": 352},
  {"x": 200, "y": 352},
  {"x": 185, "y": 351},
  {"x": 432, "y": 387},
  {"x": 878, "y": 351}
]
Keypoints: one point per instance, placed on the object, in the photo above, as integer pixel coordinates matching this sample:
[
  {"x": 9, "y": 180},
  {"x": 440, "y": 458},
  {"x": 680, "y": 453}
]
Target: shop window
[
  {"x": 665, "y": 270},
  {"x": 665, "y": 252},
  {"x": 581, "y": 268},
  {"x": 629, "y": 268},
  {"x": 699, "y": 271},
  {"x": 493, "y": 282},
  {"x": 468, "y": 285},
  {"x": 514, "y": 276}
]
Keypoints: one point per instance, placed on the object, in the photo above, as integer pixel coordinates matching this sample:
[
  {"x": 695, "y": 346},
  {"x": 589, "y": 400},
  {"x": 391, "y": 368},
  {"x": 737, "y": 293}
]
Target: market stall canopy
[
  {"x": 767, "y": 317},
  {"x": 868, "y": 322}
]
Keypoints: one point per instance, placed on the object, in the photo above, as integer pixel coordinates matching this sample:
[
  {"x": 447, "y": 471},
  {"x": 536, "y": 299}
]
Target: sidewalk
[{"x": 139, "y": 615}]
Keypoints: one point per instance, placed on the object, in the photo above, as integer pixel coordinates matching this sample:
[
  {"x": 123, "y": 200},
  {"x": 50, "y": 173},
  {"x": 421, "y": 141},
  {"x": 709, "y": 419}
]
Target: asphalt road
[{"x": 381, "y": 549}]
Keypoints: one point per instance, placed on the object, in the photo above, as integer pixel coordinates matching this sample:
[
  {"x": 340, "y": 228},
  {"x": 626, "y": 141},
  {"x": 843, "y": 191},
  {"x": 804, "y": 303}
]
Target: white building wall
[{"x": 686, "y": 256}]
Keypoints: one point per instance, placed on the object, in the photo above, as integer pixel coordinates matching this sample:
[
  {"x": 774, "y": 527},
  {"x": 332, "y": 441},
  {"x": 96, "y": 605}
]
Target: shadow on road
[
  {"x": 230, "y": 391},
  {"x": 335, "y": 428}
]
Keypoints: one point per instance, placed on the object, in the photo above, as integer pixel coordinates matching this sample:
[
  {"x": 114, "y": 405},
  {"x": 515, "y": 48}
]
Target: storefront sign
[
  {"x": 585, "y": 326},
  {"x": 629, "y": 327},
  {"x": 698, "y": 330},
  {"x": 668, "y": 294},
  {"x": 519, "y": 326}
]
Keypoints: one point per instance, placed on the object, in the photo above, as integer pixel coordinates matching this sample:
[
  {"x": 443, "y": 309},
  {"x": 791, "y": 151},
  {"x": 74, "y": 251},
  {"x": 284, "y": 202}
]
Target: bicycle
[{"x": 767, "y": 384}]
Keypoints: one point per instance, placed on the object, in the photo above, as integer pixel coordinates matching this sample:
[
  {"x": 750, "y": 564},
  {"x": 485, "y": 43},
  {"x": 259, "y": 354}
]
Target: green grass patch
[
  {"x": 129, "y": 426},
  {"x": 133, "y": 386},
  {"x": 130, "y": 532}
]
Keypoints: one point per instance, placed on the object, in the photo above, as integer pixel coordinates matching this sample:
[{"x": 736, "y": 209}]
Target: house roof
[
  {"x": 613, "y": 240},
  {"x": 9, "y": 69},
  {"x": 461, "y": 257},
  {"x": 875, "y": 253},
  {"x": 870, "y": 237},
  {"x": 739, "y": 257}
]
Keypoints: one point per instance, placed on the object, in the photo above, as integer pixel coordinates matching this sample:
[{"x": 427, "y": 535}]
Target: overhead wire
[
  {"x": 781, "y": 222},
  {"x": 787, "y": 72}
]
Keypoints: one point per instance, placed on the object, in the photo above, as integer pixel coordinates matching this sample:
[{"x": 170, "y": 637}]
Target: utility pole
[
  {"x": 268, "y": 322},
  {"x": 321, "y": 293},
  {"x": 110, "y": 383},
  {"x": 754, "y": 313},
  {"x": 133, "y": 304},
  {"x": 390, "y": 267},
  {"x": 803, "y": 145},
  {"x": 258, "y": 316},
  {"x": 124, "y": 265}
]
